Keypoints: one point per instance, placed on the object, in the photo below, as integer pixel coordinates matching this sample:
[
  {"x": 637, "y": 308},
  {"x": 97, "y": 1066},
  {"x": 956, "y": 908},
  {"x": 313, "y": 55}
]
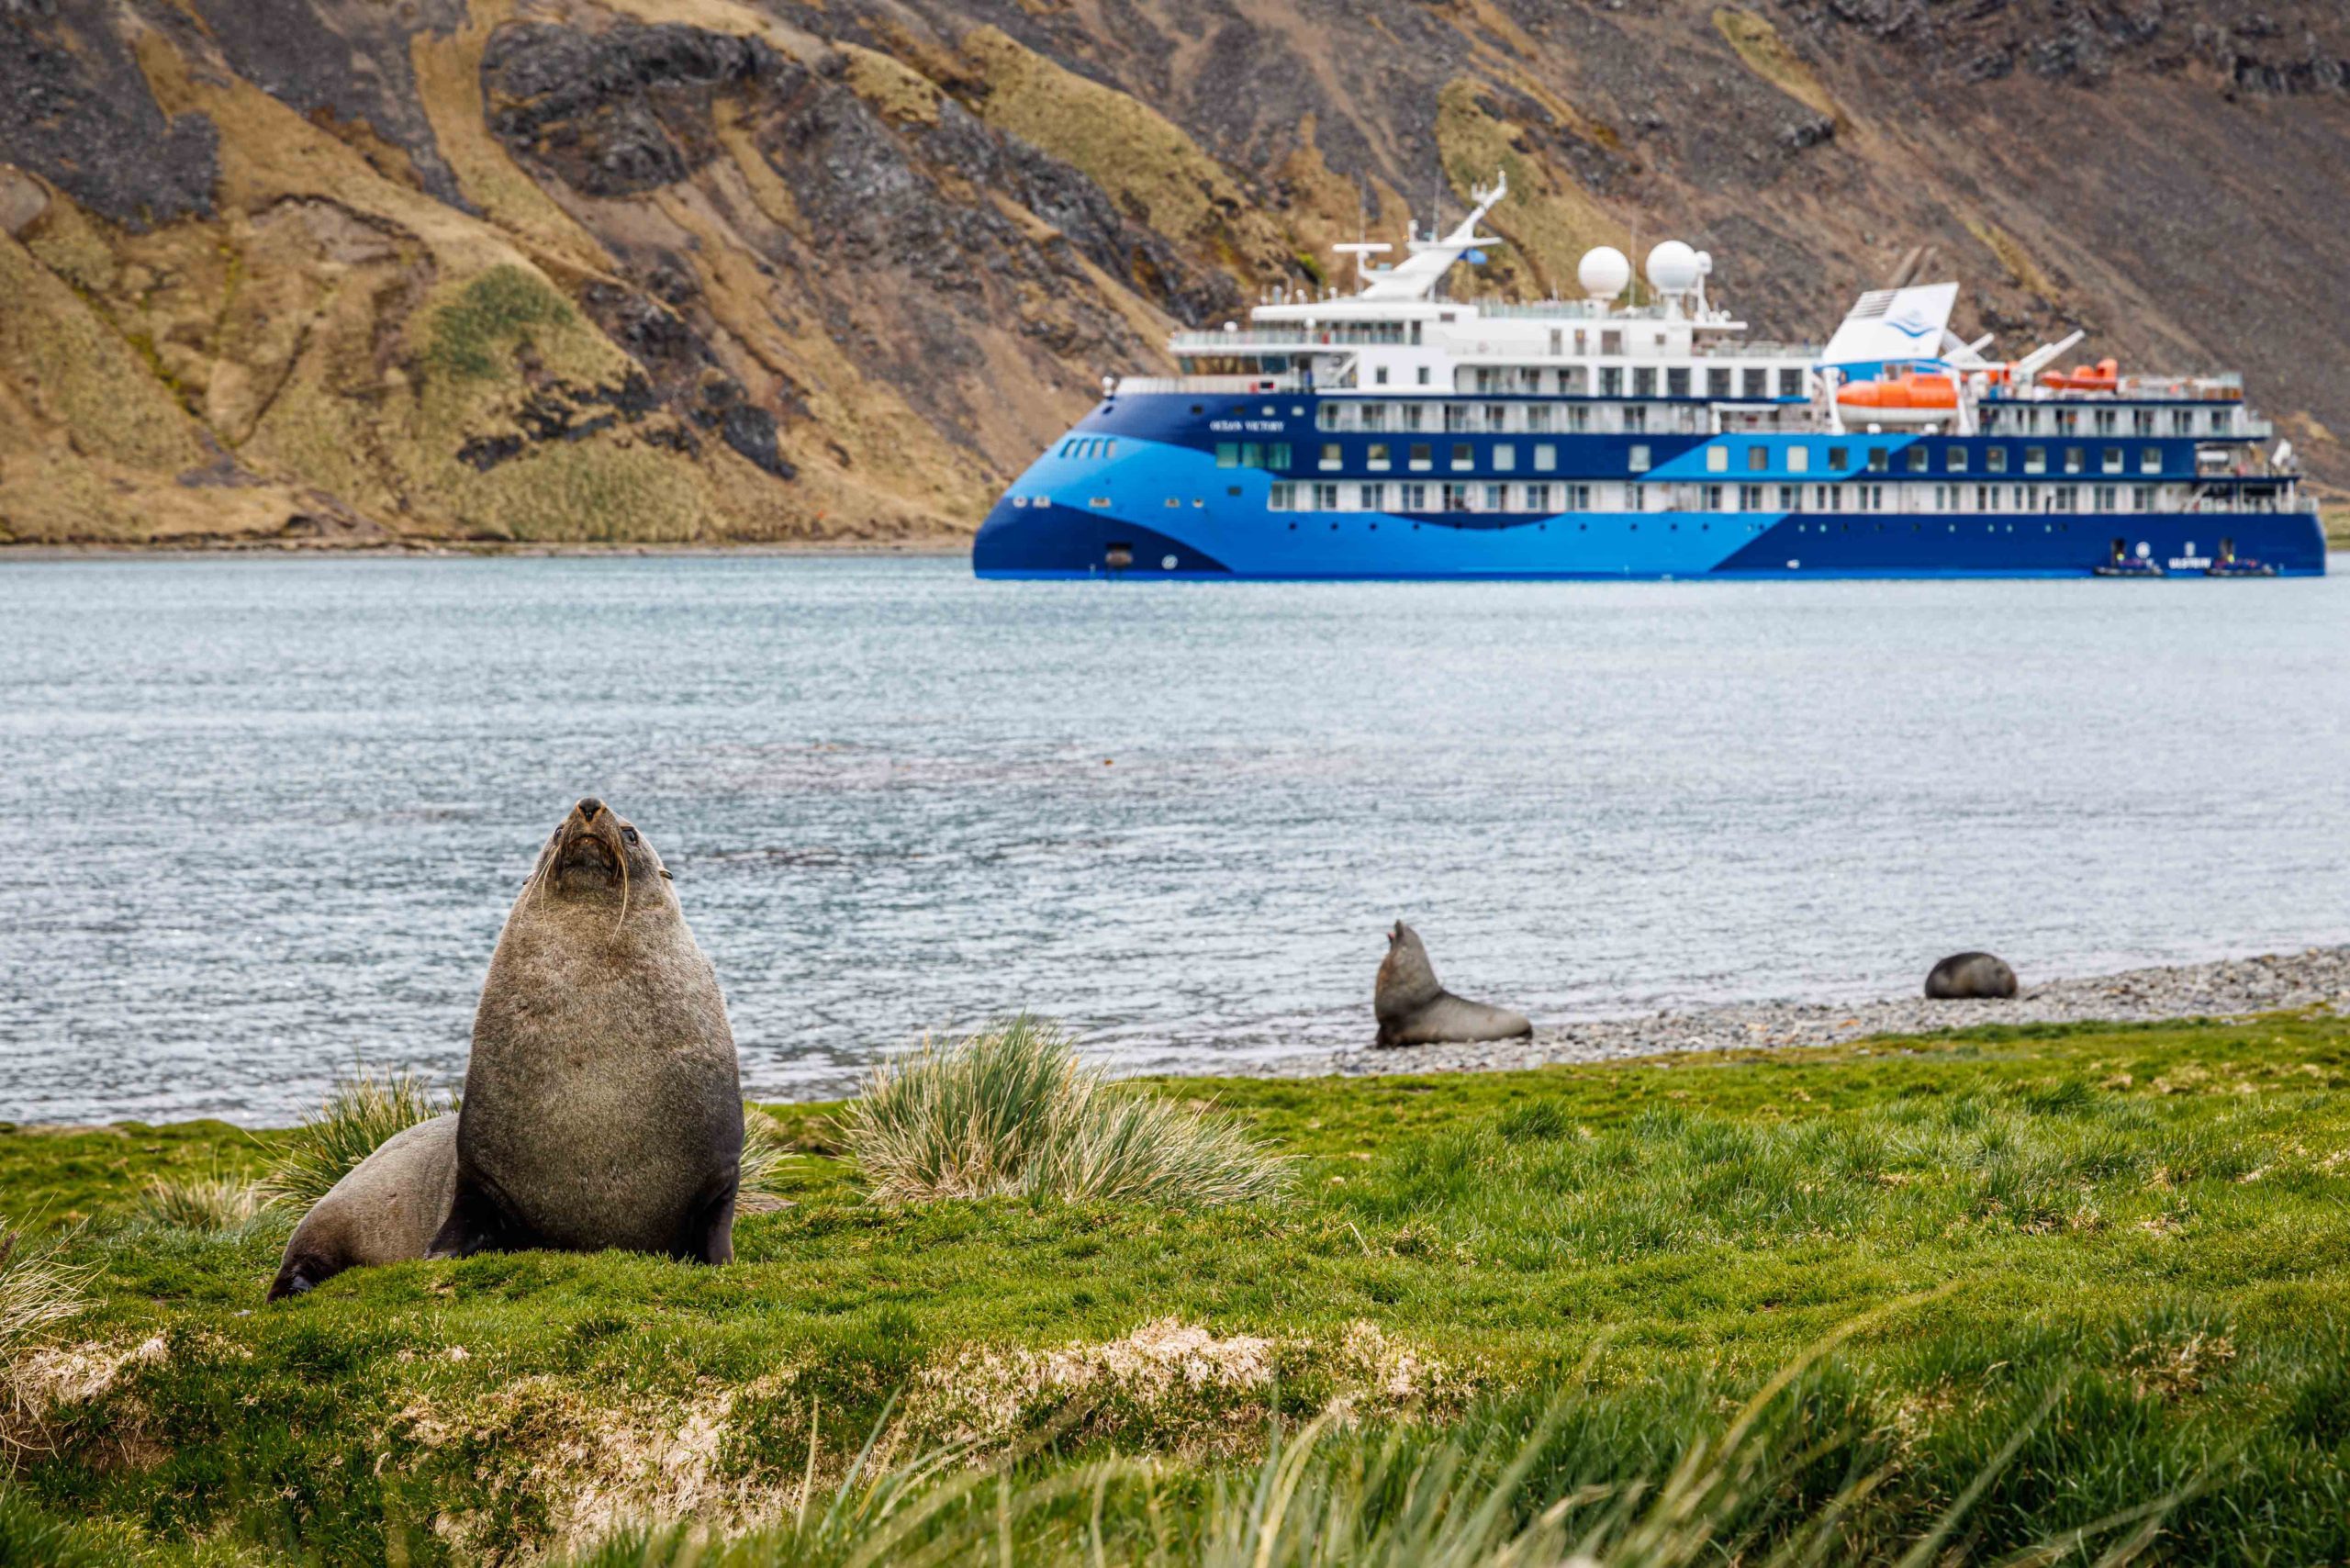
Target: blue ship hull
[{"x": 1136, "y": 489}]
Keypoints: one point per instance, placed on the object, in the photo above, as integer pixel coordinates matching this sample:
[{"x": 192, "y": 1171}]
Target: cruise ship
[{"x": 1394, "y": 432}]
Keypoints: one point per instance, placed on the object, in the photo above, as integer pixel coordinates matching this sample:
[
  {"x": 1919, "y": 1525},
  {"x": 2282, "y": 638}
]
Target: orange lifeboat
[
  {"x": 2081, "y": 378},
  {"x": 1912, "y": 395}
]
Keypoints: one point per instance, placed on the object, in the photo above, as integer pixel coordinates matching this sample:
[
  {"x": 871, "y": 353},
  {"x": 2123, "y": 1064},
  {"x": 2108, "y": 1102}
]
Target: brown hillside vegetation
[{"x": 755, "y": 270}]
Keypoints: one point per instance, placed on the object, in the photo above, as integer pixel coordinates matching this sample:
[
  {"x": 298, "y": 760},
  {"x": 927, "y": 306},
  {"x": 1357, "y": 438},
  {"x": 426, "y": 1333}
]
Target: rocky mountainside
[{"x": 746, "y": 270}]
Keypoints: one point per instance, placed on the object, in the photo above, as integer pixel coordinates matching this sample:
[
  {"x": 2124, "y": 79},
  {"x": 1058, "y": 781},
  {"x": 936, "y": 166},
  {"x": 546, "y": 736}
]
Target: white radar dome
[
  {"x": 1603, "y": 272},
  {"x": 1673, "y": 268}
]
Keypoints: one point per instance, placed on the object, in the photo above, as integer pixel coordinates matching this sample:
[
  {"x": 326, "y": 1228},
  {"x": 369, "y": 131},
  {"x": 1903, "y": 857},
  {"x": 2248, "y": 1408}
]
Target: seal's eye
[{"x": 629, "y": 833}]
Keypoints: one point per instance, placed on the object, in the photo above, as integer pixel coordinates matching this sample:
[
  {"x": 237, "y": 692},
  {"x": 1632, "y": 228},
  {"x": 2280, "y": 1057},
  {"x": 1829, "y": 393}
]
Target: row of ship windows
[
  {"x": 1547, "y": 497},
  {"x": 1800, "y": 527},
  {"x": 1498, "y": 419},
  {"x": 1622, "y": 381},
  {"x": 2059, "y": 420},
  {"x": 1918, "y": 459},
  {"x": 1347, "y": 414},
  {"x": 1502, "y": 458}
]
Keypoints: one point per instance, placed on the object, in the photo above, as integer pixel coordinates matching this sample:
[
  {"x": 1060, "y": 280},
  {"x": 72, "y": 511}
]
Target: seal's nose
[{"x": 587, "y": 808}]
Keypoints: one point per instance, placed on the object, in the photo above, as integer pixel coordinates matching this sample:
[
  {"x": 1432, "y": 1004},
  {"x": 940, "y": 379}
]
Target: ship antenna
[{"x": 1362, "y": 237}]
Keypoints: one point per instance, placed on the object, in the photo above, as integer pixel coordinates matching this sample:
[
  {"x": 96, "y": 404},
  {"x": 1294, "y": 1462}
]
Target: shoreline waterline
[
  {"x": 944, "y": 546},
  {"x": 2224, "y": 989}
]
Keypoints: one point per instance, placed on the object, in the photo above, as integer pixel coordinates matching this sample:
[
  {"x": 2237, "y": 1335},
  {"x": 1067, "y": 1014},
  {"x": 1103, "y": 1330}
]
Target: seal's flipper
[
  {"x": 710, "y": 1235},
  {"x": 477, "y": 1223},
  {"x": 299, "y": 1276}
]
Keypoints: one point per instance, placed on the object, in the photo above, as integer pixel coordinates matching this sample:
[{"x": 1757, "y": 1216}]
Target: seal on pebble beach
[
  {"x": 602, "y": 1105},
  {"x": 1414, "y": 1010},
  {"x": 1970, "y": 976},
  {"x": 385, "y": 1209}
]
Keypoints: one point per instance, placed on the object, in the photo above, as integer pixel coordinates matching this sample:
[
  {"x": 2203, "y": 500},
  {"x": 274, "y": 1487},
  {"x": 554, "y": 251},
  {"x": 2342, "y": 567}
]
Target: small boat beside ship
[{"x": 1392, "y": 432}]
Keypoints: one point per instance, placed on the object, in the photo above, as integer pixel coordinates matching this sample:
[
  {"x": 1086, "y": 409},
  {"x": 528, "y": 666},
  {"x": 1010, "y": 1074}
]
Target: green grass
[
  {"x": 2119, "y": 1255},
  {"x": 474, "y": 331}
]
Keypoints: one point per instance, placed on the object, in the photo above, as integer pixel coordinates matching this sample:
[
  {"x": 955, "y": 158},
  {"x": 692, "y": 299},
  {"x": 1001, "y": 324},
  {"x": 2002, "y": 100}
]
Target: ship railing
[
  {"x": 1284, "y": 339},
  {"x": 2224, "y": 387},
  {"x": 1563, "y": 311},
  {"x": 2230, "y": 505},
  {"x": 1757, "y": 348},
  {"x": 1605, "y": 311},
  {"x": 1244, "y": 383}
]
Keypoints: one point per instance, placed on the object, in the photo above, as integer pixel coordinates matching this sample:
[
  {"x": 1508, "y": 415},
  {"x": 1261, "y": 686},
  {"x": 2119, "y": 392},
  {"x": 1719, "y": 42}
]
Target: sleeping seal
[
  {"x": 387, "y": 1208},
  {"x": 601, "y": 1104},
  {"x": 1970, "y": 974},
  {"x": 1414, "y": 1010}
]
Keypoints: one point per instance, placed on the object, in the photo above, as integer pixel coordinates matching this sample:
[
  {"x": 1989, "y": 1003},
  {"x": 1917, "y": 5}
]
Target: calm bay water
[{"x": 267, "y": 815}]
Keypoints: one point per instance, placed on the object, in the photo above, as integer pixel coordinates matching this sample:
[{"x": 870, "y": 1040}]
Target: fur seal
[
  {"x": 1414, "y": 1010},
  {"x": 602, "y": 1106},
  {"x": 1970, "y": 974},
  {"x": 387, "y": 1208}
]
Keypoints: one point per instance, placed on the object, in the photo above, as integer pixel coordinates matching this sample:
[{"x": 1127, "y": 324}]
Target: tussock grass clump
[
  {"x": 765, "y": 1153},
  {"x": 1010, "y": 1111},
  {"x": 36, "y": 1290},
  {"x": 360, "y": 1112},
  {"x": 214, "y": 1204}
]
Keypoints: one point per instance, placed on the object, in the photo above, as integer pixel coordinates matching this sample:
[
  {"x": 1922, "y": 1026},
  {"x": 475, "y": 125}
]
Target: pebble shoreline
[{"x": 2316, "y": 977}]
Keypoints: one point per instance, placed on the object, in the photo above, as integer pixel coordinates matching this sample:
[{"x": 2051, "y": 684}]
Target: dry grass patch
[
  {"x": 1765, "y": 52},
  {"x": 209, "y": 1205},
  {"x": 1172, "y": 1385},
  {"x": 37, "y": 1291},
  {"x": 2012, "y": 256}
]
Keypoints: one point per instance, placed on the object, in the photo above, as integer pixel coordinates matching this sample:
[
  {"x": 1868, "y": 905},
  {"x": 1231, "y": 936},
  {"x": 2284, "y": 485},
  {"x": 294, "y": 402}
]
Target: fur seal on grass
[
  {"x": 1414, "y": 1010},
  {"x": 1970, "y": 976},
  {"x": 385, "y": 1209},
  {"x": 602, "y": 1106}
]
